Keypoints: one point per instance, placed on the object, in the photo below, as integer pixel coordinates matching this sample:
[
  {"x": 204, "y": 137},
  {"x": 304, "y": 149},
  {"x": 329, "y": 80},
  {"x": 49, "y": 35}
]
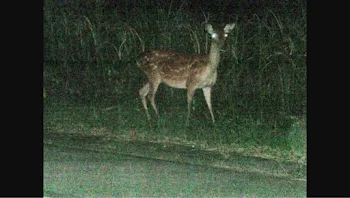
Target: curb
[{"x": 178, "y": 154}]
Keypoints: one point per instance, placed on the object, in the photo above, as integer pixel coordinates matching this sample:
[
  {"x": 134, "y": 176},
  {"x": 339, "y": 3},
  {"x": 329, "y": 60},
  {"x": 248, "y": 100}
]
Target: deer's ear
[
  {"x": 229, "y": 27},
  {"x": 209, "y": 28}
]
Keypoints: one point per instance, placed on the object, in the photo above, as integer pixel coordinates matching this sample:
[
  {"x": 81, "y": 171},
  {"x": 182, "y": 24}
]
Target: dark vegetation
[{"x": 259, "y": 100}]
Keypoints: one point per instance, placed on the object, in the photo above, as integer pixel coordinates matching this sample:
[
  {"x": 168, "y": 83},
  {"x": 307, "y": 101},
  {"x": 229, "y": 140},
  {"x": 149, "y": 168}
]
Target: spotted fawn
[{"x": 182, "y": 71}]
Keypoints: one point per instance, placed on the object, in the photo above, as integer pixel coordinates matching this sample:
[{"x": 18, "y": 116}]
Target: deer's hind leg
[
  {"x": 153, "y": 86},
  {"x": 143, "y": 93}
]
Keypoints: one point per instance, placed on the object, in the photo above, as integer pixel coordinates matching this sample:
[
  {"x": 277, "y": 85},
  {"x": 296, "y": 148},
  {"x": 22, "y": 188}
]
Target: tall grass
[{"x": 91, "y": 48}]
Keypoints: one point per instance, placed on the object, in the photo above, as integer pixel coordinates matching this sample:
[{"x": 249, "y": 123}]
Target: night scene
[{"x": 174, "y": 98}]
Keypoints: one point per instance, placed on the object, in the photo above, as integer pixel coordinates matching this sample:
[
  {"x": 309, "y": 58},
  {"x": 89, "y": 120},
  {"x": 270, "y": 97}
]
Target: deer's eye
[
  {"x": 226, "y": 35},
  {"x": 214, "y": 35}
]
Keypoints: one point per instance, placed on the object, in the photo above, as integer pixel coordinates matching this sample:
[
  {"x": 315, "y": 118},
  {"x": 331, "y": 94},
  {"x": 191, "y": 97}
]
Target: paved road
[{"x": 77, "y": 172}]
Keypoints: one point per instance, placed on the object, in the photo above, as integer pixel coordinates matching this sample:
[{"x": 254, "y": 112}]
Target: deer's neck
[{"x": 214, "y": 55}]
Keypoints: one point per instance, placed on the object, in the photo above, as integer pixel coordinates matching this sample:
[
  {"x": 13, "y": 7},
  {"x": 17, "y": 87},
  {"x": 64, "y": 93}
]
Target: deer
[{"x": 183, "y": 71}]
